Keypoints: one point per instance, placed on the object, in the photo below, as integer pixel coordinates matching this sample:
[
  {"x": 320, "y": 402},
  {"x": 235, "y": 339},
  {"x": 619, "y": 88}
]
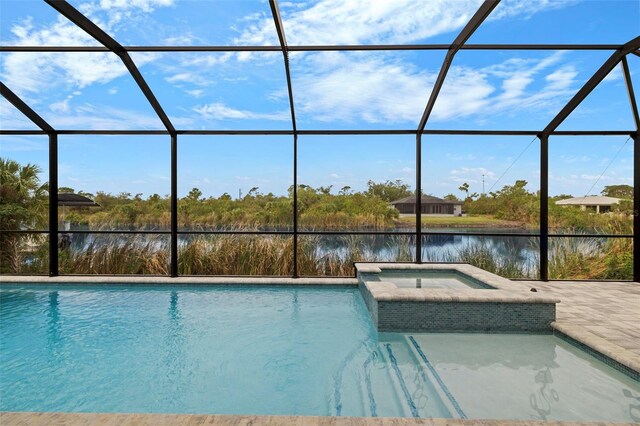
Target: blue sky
[{"x": 519, "y": 90}]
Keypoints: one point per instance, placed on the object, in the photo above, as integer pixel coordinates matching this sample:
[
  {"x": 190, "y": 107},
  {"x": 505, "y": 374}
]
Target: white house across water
[{"x": 597, "y": 203}]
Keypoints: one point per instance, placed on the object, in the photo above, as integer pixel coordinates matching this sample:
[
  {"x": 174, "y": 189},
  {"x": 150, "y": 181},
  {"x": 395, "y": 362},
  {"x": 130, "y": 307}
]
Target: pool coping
[
  {"x": 611, "y": 354},
  {"x": 136, "y": 280},
  {"x": 60, "y": 418}
]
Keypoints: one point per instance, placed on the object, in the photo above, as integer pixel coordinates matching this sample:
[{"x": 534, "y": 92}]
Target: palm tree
[
  {"x": 465, "y": 188},
  {"x": 22, "y": 206}
]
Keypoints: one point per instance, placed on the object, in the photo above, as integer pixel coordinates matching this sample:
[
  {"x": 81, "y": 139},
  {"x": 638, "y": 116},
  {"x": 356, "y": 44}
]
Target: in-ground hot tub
[
  {"x": 449, "y": 279},
  {"x": 450, "y": 298}
]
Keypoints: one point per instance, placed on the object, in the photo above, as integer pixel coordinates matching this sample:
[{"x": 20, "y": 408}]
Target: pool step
[
  {"x": 430, "y": 374},
  {"x": 391, "y": 378},
  {"x": 420, "y": 394}
]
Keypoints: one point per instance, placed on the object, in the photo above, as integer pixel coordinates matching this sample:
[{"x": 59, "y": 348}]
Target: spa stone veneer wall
[
  {"x": 485, "y": 317},
  {"x": 507, "y": 307}
]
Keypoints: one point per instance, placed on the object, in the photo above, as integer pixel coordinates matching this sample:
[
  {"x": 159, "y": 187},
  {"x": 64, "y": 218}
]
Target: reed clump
[
  {"x": 507, "y": 261},
  {"x": 236, "y": 255},
  {"x": 116, "y": 254},
  {"x": 318, "y": 256},
  {"x": 591, "y": 258}
]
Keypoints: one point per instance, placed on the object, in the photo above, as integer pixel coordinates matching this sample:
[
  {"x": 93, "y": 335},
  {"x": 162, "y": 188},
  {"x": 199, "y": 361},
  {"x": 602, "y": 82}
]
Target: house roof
[
  {"x": 592, "y": 200},
  {"x": 68, "y": 199},
  {"x": 425, "y": 199}
]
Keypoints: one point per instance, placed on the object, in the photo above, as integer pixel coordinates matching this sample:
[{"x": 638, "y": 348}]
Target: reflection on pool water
[{"x": 280, "y": 350}]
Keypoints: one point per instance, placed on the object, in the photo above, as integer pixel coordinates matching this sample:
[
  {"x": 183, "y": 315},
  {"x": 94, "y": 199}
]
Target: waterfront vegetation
[{"x": 24, "y": 202}]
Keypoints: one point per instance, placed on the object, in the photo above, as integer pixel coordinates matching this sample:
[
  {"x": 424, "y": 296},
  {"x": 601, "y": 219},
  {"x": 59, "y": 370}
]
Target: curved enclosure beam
[
  {"x": 631, "y": 93},
  {"x": 285, "y": 52},
  {"x": 591, "y": 84},
  {"x": 105, "y": 39},
  {"x": 25, "y": 109},
  {"x": 483, "y": 12}
]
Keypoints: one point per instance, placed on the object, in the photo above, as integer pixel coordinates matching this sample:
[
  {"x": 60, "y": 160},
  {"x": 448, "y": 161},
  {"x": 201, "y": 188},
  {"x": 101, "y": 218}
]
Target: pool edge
[
  {"x": 61, "y": 418},
  {"x": 179, "y": 281},
  {"x": 611, "y": 354}
]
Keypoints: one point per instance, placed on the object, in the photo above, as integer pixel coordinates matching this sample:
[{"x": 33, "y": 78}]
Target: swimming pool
[{"x": 280, "y": 350}]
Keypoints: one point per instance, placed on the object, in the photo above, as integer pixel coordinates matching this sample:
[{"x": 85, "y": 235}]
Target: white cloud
[
  {"x": 379, "y": 22},
  {"x": 589, "y": 177},
  {"x": 100, "y": 117},
  {"x": 56, "y": 72},
  {"x": 377, "y": 88},
  {"x": 343, "y": 87},
  {"x": 62, "y": 106},
  {"x": 220, "y": 111},
  {"x": 61, "y": 32},
  {"x": 144, "y": 5},
  {"x": 362, "y": 21},
  {"x": 181, "y": 77},
  {"x": 196, "y": 93},
  {"x": 333, "y": 86},
  {"x": 575, "y": 159},
  {"x": 527, "y": 8},
  {"x": 460, "y": 157},
  {"x": 473, "y": 171},
  {"x": 615, "y": 74}
]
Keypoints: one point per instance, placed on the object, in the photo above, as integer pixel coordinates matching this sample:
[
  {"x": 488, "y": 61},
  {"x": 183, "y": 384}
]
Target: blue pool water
[{"x": 280, "y": 350}]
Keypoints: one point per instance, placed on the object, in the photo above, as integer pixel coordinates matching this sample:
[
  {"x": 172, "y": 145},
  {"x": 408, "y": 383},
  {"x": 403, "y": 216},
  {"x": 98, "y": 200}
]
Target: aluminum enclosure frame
[{"x": 110, "y": 45}]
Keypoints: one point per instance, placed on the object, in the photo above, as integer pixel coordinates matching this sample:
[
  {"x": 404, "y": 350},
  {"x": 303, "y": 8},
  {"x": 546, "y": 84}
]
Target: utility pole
[{"x": 483, "y": 183}]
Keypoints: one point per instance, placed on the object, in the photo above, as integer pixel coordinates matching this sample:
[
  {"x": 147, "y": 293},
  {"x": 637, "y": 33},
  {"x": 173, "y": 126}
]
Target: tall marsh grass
[
  {"x": 236, "y": 255},
  {"x": 116, "y": 254},
  {"x": 509, "y": 261},
  {"x": 334, "y": 255},
  {"x": 24, "y": 254},
  {"x": 590, "y": 258},
  {"x": 318, "y": 257}
]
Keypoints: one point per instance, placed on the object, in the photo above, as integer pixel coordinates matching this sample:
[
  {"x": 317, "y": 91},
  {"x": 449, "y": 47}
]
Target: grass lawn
[{"x": 479, "y": 221}]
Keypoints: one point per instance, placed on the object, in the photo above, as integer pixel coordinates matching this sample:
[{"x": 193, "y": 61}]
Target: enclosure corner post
[
  {"x": 636, "y": 207},
  {"x": 295, "y": 206},
  {"x": 418, "y": 197},
  {"x": 53, "y": 205},
  {"x": 544, "y": 207},
  {"x": 174, "y": 206}
]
